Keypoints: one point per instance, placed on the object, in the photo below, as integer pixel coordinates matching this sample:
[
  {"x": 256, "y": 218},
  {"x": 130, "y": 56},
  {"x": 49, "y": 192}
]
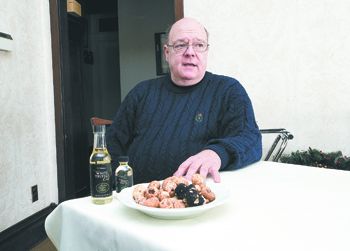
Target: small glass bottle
[
  {"x": 101, "y": 184},
  {"x": 123, "y": 174}
]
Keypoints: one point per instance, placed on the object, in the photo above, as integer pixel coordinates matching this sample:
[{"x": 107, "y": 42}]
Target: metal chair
[{"x": 281, "y": 139}]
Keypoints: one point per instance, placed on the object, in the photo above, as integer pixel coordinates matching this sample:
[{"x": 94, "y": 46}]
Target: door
[
  {"x": 103, "y": 40},
  {"x": 76, "y": 112}
]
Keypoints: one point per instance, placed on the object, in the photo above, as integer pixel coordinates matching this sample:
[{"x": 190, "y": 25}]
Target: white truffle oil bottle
[
  {"x": 124, "y": 176},
  {"x": 101, "y": 185}
]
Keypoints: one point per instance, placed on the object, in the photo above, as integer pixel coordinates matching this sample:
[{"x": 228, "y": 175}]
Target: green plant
[{"x": 314, "y": 157}]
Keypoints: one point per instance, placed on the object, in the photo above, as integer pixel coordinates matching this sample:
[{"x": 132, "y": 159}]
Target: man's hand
[{"x": 205, "y": 162}]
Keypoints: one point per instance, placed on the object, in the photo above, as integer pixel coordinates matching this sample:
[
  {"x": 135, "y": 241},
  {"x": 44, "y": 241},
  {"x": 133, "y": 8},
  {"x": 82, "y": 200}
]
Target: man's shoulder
[
  {"x": 230, "y": 86},
  {"x": 223, "y": 79}
]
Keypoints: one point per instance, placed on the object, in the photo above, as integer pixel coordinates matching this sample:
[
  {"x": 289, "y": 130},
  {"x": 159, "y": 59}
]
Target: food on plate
[
  {"x": 139, "y": 193},
  {"x": 193, "y": 197},
  {"x": 174, "y": 192},
  {"x": 151, "y": 202}
]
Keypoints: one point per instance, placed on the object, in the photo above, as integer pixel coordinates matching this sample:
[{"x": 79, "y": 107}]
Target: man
[{"x": 190, "y": 121}]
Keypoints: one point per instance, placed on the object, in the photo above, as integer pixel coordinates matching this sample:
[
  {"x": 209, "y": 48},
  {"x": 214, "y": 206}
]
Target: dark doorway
[
  {"x": 85, "y": 52},
  {"x": 94, "y": 83},
  {"x": 86, "y": 83}
]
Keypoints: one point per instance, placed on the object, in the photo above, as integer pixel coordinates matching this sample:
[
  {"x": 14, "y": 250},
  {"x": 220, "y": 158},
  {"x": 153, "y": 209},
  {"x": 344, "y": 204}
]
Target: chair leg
[{"x": 272, "y": 148}]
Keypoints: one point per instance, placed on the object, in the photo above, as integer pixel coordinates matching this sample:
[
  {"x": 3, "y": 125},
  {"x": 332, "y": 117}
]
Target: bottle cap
[{"x": 123, "y": 158}]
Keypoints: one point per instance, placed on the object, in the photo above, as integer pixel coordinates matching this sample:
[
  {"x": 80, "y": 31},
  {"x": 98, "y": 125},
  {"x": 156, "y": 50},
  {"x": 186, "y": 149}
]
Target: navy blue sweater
[{"x": 159, "y": 125}]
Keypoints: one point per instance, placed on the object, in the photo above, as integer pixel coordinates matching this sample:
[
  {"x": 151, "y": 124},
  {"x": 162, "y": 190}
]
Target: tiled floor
[{"x": 45, "y": 245}]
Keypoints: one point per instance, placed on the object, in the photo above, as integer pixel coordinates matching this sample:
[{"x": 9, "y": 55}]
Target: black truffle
[
  {"x": 189, "y": 194},
  {"x": 193, "y": 198},
  {"x": 180, "y": 191}
]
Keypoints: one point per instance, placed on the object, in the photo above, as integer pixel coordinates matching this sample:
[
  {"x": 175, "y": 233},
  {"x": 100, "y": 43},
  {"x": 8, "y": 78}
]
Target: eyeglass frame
[{"x": 182, "y": 50}]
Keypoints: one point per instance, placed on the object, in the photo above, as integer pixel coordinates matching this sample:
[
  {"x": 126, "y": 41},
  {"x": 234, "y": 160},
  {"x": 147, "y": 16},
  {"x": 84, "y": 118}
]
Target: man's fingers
[
  {"x": 205, "y": 163},
  {"x": 182, "y": 170},
  {"x": 193, "y": 168},
  {"x": 215, "y": 174},
  {"x": 203, "y": 172}
]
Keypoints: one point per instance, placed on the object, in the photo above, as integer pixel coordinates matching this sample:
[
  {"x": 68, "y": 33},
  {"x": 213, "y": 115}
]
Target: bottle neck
[
  {"x": 99, "y": 140},
  {"x": 123, "y": 163}
]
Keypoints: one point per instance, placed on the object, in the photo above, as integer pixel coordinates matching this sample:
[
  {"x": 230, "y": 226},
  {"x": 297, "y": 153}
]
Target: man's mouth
[{"x": 189, "y": 64}]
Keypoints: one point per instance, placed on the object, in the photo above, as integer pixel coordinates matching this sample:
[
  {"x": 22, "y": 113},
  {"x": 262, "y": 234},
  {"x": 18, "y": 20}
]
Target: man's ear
[{"x": 166, "y": 52}]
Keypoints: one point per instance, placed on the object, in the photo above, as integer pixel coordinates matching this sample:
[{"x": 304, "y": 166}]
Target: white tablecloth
[{"x": 273, "y": 206}]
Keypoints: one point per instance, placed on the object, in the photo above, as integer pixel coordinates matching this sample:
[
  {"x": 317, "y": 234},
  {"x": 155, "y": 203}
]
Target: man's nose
[{"x": 189, "y": 50}]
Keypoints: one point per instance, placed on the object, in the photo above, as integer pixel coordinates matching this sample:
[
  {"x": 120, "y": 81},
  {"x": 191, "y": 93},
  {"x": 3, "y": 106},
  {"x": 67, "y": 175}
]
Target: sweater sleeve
[
  {"x": 239, "y": 141},
  {"x": 119, "y": 133}
]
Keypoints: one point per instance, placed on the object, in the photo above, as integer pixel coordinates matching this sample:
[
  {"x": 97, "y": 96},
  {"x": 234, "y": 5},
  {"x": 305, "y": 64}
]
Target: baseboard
[{"x": 27, "y": 233}]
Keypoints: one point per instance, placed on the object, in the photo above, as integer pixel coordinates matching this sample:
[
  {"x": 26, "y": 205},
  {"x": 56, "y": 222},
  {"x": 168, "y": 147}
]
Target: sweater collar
[{"x": 171, "y": 86}]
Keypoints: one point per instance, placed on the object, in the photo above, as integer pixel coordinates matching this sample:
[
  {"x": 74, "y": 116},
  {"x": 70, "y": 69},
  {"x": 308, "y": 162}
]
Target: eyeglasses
[{"x": 180, "y": 47}]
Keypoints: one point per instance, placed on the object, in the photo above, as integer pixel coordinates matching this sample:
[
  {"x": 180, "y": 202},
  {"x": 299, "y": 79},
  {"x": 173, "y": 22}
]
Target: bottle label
[
  {"x": 123, "y": 180},
  {"x": 100, "y": 180}
]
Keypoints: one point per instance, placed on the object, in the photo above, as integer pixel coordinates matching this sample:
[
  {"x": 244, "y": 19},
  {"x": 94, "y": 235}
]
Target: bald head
[{"x": 187, "y": 25}]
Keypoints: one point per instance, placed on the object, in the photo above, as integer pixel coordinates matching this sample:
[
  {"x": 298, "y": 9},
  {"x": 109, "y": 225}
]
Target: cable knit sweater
[{"x": 159, "y": 125}]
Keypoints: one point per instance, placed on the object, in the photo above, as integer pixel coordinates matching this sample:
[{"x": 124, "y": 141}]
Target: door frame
[
  {"x": 60, "y": 67},
  {"x": 59, "y": 41}
]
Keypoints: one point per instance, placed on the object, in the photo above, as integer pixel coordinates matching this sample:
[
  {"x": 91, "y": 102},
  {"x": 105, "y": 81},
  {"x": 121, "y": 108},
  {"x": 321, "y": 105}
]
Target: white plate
[{"x": 222, "y": 194}]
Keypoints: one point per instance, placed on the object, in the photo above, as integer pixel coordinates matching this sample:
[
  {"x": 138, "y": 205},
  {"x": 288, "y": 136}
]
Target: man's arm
[{"x": 239, "y": 143}]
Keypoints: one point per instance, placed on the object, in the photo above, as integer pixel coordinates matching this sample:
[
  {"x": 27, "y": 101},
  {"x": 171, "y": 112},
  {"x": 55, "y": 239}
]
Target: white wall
[
  {"x": 293, "y": 57},
  {"x": 27, "y": 133},
  {"x": 138, "y": 21}
]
